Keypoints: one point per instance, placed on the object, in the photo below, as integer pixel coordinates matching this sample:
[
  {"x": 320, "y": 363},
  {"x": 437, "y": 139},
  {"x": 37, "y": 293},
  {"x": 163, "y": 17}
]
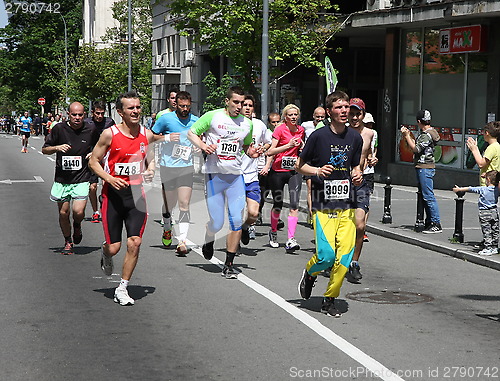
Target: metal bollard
[
  {"x": 419, "y": 223},
  {"x": 458, "y": 234},
  {"x": 387, "y": 218}
]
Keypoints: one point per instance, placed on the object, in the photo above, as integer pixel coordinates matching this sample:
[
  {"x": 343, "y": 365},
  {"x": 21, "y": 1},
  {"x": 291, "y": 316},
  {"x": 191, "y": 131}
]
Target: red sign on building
[
  {"x": 465, "y": 39},
  {"x": 41, "y": 101}
]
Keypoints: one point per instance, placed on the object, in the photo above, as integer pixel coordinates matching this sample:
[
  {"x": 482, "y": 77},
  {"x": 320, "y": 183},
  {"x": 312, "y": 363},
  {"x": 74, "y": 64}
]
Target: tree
[
  {"x": 32, "y": 58},
  {"x": 234, "y": 30}
]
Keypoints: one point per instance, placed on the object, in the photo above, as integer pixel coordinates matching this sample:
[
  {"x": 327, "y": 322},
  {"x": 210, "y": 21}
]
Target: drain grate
[{"x": 389, "y": 297}]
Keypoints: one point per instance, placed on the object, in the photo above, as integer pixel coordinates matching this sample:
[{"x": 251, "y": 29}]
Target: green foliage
[
  {"x": 32, "y": 62},
  {"x": 216, "y": 94},
  {"x": 296, "y": 31}
]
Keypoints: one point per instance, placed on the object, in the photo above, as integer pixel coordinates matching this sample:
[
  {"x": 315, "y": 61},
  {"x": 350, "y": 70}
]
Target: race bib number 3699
[
  {"x": 128, "y": 169},
  {"x": 337, "y": 189}
]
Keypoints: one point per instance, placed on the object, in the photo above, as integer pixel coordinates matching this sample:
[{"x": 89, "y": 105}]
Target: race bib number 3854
[
  {"x": 128, "y": 169},
  {"x": 337, "y": 189}
]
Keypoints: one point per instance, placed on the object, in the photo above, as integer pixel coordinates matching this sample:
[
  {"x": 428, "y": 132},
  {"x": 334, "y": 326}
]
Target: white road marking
[{"x": 356, "y": 354}]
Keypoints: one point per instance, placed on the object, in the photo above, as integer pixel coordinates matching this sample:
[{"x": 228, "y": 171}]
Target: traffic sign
[{"x": 41, "y": 101}]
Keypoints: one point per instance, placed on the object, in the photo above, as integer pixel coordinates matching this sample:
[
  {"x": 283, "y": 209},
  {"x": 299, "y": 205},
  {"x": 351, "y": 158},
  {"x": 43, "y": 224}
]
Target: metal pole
[
  {"x": 66, "y": 99},
  {"x": 387, "y": 217},
  {"x": 129, "y": 45},
  {"x": 265, "y": 61},
  {"x": 419, "y": 223},
  {"x": 458, "y": 234}
]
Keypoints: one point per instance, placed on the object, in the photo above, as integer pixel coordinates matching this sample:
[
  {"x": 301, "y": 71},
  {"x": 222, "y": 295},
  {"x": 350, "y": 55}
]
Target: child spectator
[
  {"x": 490, "y": 160},
  {"x": 488, "y": 213}
]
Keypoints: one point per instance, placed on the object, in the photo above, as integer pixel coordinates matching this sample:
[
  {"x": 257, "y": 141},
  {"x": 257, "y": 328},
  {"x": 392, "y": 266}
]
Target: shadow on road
[
  {"x": 314, "y": 304},
  {"x": 135, "y": 292},
  {"x": 78, "y": 250}
]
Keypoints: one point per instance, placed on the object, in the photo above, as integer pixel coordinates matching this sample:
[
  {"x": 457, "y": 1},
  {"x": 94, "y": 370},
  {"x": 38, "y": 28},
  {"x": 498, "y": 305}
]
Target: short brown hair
[
  {"x": 492, "y": 177},
  {"x": 334, "y": 97},
  {"x": 493, "y": 129}
]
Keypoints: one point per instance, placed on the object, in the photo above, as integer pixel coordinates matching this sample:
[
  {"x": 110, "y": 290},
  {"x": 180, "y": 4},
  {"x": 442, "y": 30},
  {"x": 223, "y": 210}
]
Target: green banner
[{"x": 331, "y": 76}]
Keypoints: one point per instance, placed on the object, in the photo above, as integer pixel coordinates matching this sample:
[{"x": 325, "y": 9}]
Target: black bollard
[
  {"x": 419, "y": 223},
  {"x": 458, "y": 234},
  {"x": 387, "y": 218}
]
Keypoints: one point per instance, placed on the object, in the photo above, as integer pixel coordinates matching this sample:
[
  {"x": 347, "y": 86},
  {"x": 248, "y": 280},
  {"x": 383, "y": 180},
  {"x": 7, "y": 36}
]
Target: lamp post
[
  {"x": 129, "y": 45},
  {"x": 265, "y": 61},
  {"x": 66, "y": 99}
]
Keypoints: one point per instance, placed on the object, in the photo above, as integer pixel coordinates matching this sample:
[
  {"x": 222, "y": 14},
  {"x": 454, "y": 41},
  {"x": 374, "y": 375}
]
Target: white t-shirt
[
  {"x": 230, "y": 134},
  {"x": 260, "y": 135},
  {"x": 374, "y": 144}
]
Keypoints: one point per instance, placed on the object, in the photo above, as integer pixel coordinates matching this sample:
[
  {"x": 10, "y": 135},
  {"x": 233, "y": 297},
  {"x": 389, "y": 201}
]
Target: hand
[
  {"x": 253, "y": 151},
  {"x": 148, "y": 175},
  {"x": 372, "y": 161},
  {"x": 357, "y": 177},
  {"x": 264, "y": 171},
  {"x": 175, "y": 137},
  {"x": 456, "y": 189},
  {"x": 405, "y": 131},
  {"x": 260, "y": 149},
  {"x": 294, "y": 142},
  {"x": 196, "y": 149},
  {"x": 210, "y": 149},
  {"x": 88, "y": 156},
  {"x": 324, "y": 171},
  {"x": 117, "y": 183},
  {"x": 471, "y": 143},
  {"x": 63, "y": 148}
]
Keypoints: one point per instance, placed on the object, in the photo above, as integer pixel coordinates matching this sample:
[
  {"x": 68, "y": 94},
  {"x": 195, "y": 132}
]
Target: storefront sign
[{"x": 466, "y": 39}]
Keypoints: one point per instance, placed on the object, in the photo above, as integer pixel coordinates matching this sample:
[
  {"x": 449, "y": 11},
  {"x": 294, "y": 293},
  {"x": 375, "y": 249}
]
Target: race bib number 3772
[{"x": 337, "y": 189}]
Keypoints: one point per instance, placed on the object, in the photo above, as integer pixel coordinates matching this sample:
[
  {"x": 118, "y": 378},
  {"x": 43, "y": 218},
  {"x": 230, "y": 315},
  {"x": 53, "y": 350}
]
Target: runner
[
  {"x": 226, "y": 133},
  {"x": 72, "y": 143},
  {"x": 331, "y": 155},
  {"x": 122, "y": 158},
  {"x": 171, "y": 102},
  {"x": 101, "y": 122},
  {"x": 253, "y": 168},
  {"x": 288, "y": 139},
  {"x": 25, "y": 123},
  {"x": 355, "y": 117},
  {"x": 176, "y": 167}
]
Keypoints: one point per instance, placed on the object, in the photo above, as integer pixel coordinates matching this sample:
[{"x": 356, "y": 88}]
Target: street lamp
[
  {"x": 129, "y": 45},
  {"x": 65, "y": 59},
  {"x": 265, "y": 61}
]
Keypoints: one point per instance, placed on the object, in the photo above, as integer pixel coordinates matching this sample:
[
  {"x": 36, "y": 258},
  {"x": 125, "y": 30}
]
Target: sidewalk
[{"x": 403, "y": 211}]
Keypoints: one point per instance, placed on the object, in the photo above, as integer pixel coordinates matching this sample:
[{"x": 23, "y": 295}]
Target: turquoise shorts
[{"x": 67, "y": 192}]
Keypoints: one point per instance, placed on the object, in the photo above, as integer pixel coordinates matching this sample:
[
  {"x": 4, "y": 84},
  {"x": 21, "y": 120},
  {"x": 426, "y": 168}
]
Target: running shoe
[
  {"x": 259, "y": 221},
  {"x": 488, "y": 251},
  {"x": 68, "y": 249},
  {"x": 208, "y": 250},
  {"x": 245, "y": 237},
  {"x": 433, "y": 228},
  {"x": 122, "y": 297},
  {"x": 366, "y": 239},
  {"x": 166, "y": 238},
  {"x": 273, "y": 239},
  {"x": 306, "y": 285},
  {"x": 281, "y": 224},
  {"x": 229, "y": 272},
  {"x": 328, "y": 307},
  {"x": 106, "y": 263},
  {"x": 182, "y": 250},
  {"x": 354, "y": 271},
  {"x": 251, "y": 232},
  {"x": 77, "y": 234},
  {"x": 96, "y": 217},
  {"x": 291, "y": 245}
]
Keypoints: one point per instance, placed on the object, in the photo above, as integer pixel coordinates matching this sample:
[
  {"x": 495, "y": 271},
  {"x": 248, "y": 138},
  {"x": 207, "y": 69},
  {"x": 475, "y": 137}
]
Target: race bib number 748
[
  {"x": 128, "y": 169},
  {"x": 337, "y": 189}
]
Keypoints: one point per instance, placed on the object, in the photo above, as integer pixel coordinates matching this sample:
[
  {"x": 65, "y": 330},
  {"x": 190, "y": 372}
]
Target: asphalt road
[{"x": 416, "y": 315}]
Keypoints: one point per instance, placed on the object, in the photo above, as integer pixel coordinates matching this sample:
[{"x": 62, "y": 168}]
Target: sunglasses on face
[{"x": 75, "y": 114}]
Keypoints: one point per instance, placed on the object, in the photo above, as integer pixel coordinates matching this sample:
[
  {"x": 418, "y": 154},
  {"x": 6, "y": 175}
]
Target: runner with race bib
[
  {"x": 331, "y": 156},
  {"x": 287, "y": 140}
]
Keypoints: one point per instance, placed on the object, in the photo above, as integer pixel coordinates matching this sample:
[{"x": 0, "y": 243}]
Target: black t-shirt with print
[
  {"x": 342, "y": 151},
  {"x": 72, "y": 166}
]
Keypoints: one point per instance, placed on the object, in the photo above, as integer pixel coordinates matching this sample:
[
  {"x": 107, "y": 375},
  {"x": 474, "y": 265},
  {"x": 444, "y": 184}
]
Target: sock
[
  {"x": 292, "y": 226},
  {"x": 167, "y": 221},
  {"x": 229, "y": 258},
  {"x": 354, "y": 262},
  {"x": 275, "y": 216},
  {"x": 123, "y": 283},
  {"x": 183, "y": 230}
]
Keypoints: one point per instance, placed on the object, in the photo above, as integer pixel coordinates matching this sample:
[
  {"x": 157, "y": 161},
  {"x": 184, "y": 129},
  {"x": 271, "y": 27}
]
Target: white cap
[{"x": 368, "y": 118}]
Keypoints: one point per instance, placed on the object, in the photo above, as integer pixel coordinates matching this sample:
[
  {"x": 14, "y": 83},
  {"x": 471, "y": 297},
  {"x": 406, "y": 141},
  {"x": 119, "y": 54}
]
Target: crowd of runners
[{"x": 245, "y": 160}]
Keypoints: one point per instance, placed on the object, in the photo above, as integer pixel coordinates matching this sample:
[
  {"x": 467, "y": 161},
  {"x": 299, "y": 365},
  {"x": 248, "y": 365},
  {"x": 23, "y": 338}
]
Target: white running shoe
[
  {"x": 106, "y": 262},
  {"x": 488, "y": 251},
  {"x": 273, "y": 239},
  {"x": 292, "y": 245},
  {"x": 251, "y": 232},
  {"x": 122, "y": 297}
]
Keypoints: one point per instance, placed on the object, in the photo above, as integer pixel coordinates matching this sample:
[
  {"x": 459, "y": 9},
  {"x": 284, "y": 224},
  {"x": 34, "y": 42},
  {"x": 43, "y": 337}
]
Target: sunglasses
[{"x": 75, "y": 114}]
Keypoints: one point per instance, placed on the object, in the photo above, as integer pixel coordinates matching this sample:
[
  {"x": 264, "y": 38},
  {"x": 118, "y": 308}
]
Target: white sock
[
  {"x": 123, "y": 283},
  {"x": 183, "y": 230}
]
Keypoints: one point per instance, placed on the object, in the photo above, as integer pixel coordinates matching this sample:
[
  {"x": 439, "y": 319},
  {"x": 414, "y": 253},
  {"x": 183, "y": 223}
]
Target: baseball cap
[
  {"x": 358, "y": 103},
  {"x": 423, "y": 115},
  {"x": 368, "y": 118}
]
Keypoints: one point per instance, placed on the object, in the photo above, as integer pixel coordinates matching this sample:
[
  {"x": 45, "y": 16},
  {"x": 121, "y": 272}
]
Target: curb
[{"x": 440, "y": 248}]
